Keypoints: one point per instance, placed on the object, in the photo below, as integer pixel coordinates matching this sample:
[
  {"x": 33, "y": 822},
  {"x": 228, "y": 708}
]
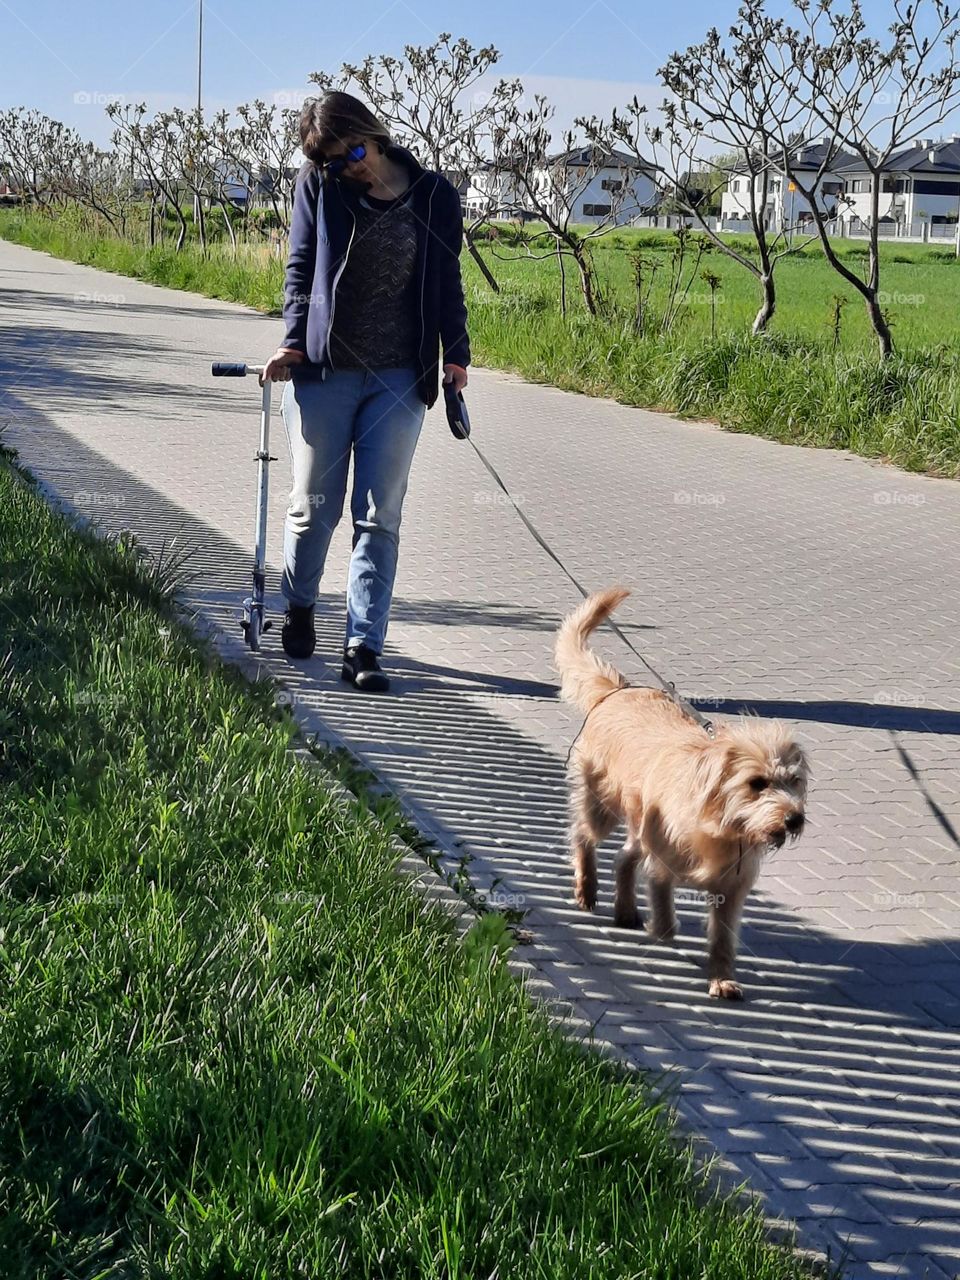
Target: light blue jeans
[{"x": 375, "y": 415}]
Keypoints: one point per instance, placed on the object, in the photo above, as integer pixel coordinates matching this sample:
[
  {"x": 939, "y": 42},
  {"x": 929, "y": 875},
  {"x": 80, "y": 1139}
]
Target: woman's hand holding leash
[{"x": 456, "y": 374}]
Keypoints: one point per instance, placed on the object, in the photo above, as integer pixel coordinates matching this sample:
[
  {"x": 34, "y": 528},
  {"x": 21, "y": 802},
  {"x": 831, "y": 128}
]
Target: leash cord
[{"x": 667, "y": 685}]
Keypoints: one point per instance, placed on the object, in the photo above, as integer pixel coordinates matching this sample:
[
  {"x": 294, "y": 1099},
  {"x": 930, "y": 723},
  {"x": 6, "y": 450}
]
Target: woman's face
[{"x": 357, "y": 170}]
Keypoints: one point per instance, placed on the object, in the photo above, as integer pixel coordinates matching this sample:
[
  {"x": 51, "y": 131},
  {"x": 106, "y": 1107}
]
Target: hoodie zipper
[
  {"x": 423, "y": 276},
  {"x": 333, "y": 293}
]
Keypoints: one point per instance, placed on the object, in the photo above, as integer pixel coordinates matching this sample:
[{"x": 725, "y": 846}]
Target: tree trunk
[
  {"x": 586, "y": 280},
  {"x": 475, "y": 255},
  {"x": 880, "y": 327},
  {"x": 182, "y": 234},
  {"x": 768, "y": 306},
  {"x": 225, "y": 210},
  {"x": 201, "y": 224}
]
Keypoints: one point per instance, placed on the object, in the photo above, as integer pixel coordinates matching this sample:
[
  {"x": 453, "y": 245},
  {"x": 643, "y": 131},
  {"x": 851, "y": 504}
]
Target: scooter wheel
[{"x": 253, "y": 630}]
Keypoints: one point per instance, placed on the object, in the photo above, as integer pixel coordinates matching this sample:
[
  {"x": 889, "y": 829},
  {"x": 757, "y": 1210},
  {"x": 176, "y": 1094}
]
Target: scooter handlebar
[{"x": 229, "y": 369}]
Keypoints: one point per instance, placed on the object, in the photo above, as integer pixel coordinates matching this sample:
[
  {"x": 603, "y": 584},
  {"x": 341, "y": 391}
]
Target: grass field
[
  {"x": 230, "y": 1048},
  {"x": 792, "y": 383}
]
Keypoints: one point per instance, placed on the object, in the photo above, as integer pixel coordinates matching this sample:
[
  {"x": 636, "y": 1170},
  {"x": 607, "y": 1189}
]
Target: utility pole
[{"x": 196, "y": 196}]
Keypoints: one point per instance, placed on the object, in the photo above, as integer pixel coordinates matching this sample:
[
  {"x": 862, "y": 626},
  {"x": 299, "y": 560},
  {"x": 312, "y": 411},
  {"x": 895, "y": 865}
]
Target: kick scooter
[{"x": 252, "y": 620}]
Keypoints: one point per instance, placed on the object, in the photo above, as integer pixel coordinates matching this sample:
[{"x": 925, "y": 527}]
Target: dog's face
[{"x": 758, "y": 788}]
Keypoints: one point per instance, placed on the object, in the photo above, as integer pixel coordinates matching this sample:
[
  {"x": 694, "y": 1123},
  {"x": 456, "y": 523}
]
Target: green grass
[
  {"x": 229, "y": 1046},
  {"x": 791, "y": 384}
]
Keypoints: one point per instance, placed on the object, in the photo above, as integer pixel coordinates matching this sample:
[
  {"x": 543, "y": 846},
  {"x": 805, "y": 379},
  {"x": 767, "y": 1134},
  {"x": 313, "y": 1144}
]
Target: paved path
[{"x": 813, "y": 585}]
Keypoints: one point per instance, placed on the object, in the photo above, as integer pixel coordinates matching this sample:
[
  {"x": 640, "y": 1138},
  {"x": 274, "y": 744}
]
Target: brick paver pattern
[{"x": 808, "y": 584}]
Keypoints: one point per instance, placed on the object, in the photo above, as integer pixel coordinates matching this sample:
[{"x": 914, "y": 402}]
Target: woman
[{"x": 372, "y": 291}]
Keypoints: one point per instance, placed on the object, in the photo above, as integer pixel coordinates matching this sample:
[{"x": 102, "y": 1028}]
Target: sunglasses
[{"x": 350, "y": 156}]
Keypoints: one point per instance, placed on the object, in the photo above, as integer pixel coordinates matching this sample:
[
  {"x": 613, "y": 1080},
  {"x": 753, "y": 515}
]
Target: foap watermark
[
  {"x": 691, "y": 498},
  {"x": 888, "y": 900},
  {"x": 898, "y": 498},
  {"x": 897, "y": 698},
  {"x": 98, "y": 498},
  {"x": 94, "y": 698},
  {"x": 97, "y": 98},
  {"x": 698, "y": 898},
  {"x": 901, "y": 299},
  {"x": 102, "y": 299},
  {"x": 494, "y": 497},
  {"x": 289, "y": 698},
  {"x": 295, "y": 299},
  {"x": 502, "y": 899}
]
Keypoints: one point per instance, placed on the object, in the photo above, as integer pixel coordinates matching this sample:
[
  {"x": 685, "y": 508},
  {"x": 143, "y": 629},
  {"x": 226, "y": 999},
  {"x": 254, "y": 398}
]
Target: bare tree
[
  {"x": 425, "y": 99},
  {"x": 190, "y": 150},
  {"x": 151, "y": 148},
  {"x": 33, "y": 146},
  {"x": 716, "y": 102},
  {"x": 269, "y": 137},
  {"x": 96, "y": 179},
  {"x": 847, "y": 74},
  {"x": 828, "y": 76},
  {"x": 547, "y": 187}
]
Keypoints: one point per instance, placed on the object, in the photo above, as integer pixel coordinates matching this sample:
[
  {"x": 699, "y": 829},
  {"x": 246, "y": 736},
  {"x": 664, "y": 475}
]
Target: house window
[
  {"x": 735, "y": 185},
  {"x": 611, "y": 184},
  {"x": 893, "y": 185},
  {"x": 859, "y": 186},
  {"x": 595, "y": 210},
  {"x": 929, "y": 187},
  {"x": 831, "y": 188}
]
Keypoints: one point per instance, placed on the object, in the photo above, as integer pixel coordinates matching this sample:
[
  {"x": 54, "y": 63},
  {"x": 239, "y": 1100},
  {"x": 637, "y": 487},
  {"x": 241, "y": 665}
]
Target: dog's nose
[{"x": 794, "y": 823}]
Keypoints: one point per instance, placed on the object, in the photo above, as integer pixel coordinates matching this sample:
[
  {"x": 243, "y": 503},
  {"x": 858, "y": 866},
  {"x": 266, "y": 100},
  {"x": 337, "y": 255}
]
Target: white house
[
  {"x": 919, "y": 191},
  {"x": 596, "y": 188},
  {"x": 785, "y": 206}
]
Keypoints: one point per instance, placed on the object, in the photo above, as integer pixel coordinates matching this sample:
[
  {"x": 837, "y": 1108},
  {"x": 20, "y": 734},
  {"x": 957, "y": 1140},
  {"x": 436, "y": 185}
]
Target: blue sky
[{"x": 587, "y": 56}]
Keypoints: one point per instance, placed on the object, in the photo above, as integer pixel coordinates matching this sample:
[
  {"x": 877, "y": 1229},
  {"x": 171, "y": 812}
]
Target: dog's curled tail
[{"x": 585, "y": 678}]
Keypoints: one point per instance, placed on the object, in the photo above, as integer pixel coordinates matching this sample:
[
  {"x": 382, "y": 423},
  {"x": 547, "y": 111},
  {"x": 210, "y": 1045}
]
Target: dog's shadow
[{"x": 837, "y": 1077}]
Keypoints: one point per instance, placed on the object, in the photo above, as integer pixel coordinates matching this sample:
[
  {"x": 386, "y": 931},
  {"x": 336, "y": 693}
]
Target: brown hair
[{"x": 333, "y": 119}]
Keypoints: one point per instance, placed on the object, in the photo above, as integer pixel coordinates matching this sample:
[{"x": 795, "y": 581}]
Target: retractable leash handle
[{"x": 457, "y": 416}]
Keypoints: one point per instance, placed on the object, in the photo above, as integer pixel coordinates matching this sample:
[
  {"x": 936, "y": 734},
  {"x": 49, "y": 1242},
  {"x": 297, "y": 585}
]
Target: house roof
[
  {"x": 588, "y": 157},
  {"x": 808, "y": 157},
  {"x": 811, "y": 155},
  {"x": 916, "y": 158}
]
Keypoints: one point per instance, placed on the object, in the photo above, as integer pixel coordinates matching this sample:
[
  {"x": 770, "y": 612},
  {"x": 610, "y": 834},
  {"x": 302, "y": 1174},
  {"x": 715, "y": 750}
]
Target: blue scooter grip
[{"x": 226, "y": 369}]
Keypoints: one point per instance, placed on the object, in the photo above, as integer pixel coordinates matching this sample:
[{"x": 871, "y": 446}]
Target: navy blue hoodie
[{"x": 321, "y": 231}]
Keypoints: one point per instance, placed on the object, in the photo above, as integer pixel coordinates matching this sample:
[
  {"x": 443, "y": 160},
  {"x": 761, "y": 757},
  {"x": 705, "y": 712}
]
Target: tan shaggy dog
[{"x": 699, "y": 811}]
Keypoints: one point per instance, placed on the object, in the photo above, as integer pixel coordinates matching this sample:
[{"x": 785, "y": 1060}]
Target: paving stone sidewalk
[{"x": 812, "y": 585}]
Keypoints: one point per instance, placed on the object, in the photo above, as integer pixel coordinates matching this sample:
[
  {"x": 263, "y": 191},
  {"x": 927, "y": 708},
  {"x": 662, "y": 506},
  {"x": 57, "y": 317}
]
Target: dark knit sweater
[{"x": 376, "y": 322}]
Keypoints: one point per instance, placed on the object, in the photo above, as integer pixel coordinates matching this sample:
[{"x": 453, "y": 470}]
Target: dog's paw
[
  {"x": 627, "y": 918},
  {"x": 586, "y": 899},
  {"x": 662, "y": 935},
  {"x": 725, "y": 989}
]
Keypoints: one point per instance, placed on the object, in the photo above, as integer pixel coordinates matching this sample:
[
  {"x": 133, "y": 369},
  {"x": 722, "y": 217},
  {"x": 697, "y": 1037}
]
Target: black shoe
[
  {"x": 298, "y": 635},
  {"x": 361, "y": 668}
]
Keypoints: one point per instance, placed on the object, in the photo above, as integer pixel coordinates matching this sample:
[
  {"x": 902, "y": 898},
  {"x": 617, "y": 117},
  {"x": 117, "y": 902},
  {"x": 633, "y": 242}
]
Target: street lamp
[{"x": 196, "y": 194}]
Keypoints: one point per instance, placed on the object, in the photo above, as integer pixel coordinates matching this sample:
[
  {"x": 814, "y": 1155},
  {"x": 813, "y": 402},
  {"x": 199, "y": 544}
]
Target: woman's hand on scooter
[{"x": 277, "y": 368}]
